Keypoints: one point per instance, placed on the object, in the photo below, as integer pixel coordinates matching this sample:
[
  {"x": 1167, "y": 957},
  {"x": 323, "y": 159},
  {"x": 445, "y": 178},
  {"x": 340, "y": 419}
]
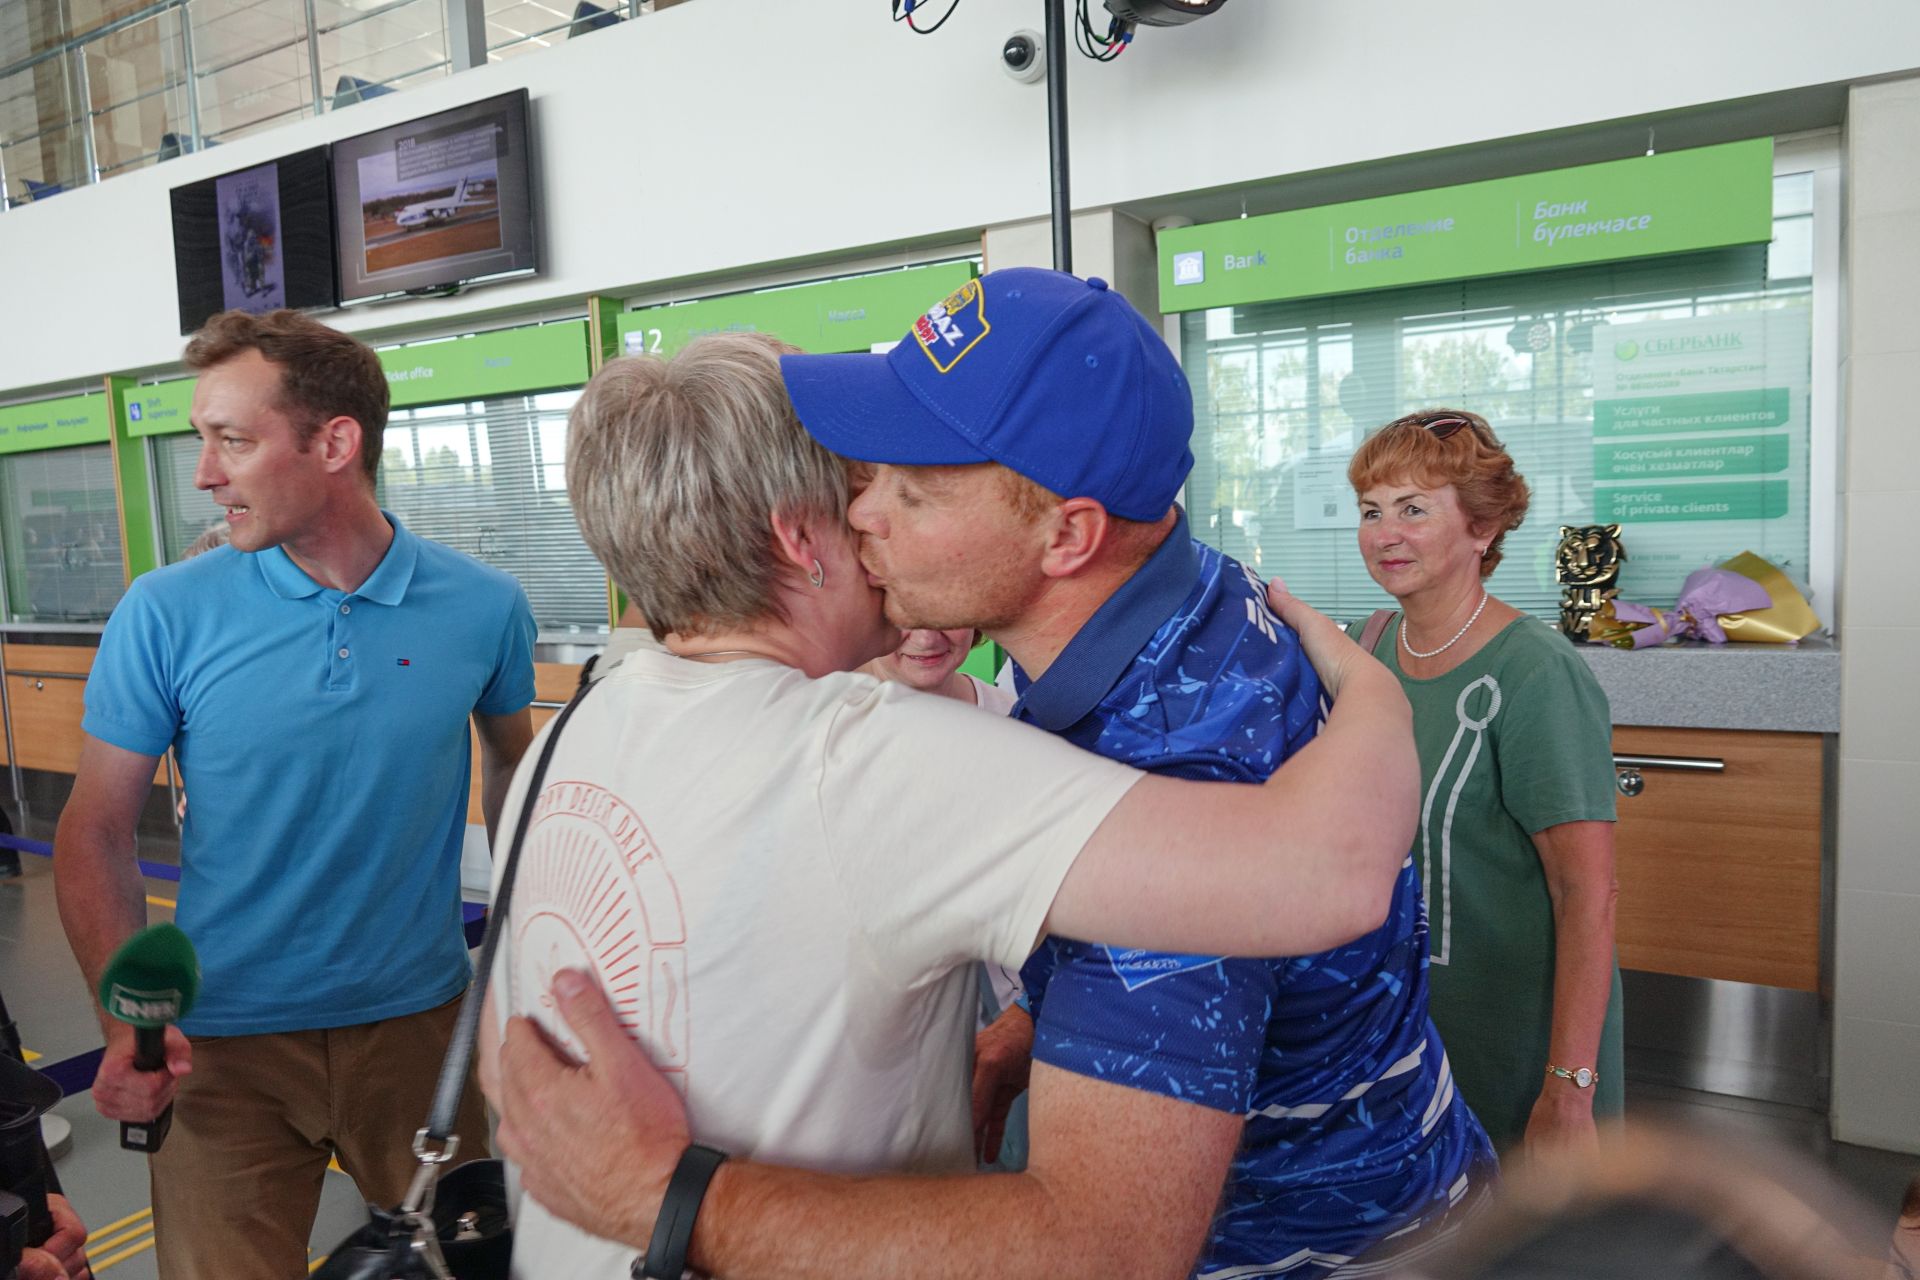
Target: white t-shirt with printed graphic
[{"x": 783, "y": 882}]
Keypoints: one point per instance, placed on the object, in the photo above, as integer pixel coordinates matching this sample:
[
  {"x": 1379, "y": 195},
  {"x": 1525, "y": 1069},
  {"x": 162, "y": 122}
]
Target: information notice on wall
[{"x": 1699, "y": 438}]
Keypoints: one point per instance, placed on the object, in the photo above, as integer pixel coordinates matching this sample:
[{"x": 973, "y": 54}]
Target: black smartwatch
[{"x": 673, "y": 1230}]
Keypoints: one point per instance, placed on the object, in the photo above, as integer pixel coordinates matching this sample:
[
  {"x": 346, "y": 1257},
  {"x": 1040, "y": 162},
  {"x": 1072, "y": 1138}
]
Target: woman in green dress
[{"x": 1516, "y": 825}]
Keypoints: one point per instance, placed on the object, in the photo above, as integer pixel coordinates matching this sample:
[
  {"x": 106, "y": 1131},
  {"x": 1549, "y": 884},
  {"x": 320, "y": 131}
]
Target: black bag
[
  {"x": 469, "y": 1229},
  {"x": 452, "y": 1227}
]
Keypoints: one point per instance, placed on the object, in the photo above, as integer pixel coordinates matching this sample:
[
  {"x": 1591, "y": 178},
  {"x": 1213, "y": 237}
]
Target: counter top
[{"x": 1786, "y": 688}]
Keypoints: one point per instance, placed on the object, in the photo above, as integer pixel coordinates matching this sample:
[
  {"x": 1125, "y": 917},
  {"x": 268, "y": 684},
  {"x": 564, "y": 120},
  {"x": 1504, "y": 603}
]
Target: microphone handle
[
  {"x": 149, "y": 1054},
  {"x": 149, "y": 1048}
]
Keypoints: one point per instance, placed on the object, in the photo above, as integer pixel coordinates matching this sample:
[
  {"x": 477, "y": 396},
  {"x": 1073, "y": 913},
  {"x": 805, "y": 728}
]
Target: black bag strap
[
  {"x": 1376, "y": 626},
  {"x": 453, "y": 1072}
]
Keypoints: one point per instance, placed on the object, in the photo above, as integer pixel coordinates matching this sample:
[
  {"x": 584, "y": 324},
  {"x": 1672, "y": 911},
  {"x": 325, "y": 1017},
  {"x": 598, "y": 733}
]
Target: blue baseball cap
[{"x": 1054, "y": 377}]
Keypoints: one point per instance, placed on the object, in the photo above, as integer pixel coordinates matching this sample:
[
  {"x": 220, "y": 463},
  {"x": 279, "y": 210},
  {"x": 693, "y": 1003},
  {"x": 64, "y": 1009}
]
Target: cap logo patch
[{"x": 954, "y": 326}]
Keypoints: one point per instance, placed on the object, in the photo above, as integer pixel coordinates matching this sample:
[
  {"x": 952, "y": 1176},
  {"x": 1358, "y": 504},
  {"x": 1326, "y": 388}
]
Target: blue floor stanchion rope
[{"x": 151, "y": 870}]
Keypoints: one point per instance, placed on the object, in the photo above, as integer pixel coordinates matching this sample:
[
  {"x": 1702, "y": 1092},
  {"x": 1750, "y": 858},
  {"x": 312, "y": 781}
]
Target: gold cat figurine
[{"x": 1587, "y": 566}]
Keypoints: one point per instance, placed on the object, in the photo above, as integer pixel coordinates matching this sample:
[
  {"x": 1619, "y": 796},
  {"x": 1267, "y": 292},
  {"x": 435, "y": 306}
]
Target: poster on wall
[
  {"x": 1699, "y": 431},
  {"x": 252, "y": 268},
  {"x": 1322, "y": 498}
]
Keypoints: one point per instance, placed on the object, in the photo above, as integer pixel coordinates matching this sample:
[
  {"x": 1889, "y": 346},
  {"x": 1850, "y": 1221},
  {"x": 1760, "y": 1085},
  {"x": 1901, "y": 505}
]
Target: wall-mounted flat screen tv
[
  {"x": 256, "y": 239},
  {"x": 437, "y": 202}
]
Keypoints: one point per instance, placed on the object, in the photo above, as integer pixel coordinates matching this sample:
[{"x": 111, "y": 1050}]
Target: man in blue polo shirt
[
  {"x": 1263, "y": 1117},
  {"x": 315, "y": 678}
]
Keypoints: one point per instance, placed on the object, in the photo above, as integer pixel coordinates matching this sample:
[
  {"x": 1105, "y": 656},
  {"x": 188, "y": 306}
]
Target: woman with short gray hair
[
  {"x": 743, "y": 844},
  {"x": 678, "y": 510}
]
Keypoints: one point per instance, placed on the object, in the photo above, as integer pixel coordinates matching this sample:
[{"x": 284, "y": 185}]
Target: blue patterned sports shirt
[{"x": 1354, "y": 1134}]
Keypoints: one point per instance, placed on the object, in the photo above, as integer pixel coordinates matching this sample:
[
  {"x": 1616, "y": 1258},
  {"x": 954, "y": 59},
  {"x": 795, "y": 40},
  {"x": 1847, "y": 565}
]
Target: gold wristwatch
[{"x": 1583, "y": 1078}]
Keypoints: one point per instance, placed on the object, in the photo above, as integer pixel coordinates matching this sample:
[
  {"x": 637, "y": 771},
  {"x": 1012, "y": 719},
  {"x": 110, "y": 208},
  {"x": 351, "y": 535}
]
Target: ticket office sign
[{"x": 500, "y": 362}]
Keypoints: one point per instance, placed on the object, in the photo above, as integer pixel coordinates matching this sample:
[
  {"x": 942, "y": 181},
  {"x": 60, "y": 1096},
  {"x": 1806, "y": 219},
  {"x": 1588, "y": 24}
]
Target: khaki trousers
[{"x": 237, "y": 1184}]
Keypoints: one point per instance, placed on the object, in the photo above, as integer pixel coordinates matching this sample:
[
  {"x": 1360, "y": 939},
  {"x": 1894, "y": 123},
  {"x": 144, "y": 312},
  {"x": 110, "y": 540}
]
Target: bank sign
[{"x": 1677, "y": 202}]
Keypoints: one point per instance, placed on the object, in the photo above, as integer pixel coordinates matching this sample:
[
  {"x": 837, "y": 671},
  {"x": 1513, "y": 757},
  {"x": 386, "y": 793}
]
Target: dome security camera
[{"x": 1023, "y": 55}]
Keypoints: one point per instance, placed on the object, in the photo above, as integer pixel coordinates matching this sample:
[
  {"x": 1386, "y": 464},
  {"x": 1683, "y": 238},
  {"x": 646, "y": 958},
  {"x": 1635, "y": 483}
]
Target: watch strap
[
  {"x": 1573, "y": 1074},
  {"x": 673, "y": 1230}
]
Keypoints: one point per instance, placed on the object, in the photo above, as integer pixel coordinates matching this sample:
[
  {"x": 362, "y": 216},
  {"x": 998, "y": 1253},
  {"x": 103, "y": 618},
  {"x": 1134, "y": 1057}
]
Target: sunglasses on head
[{"x": 1442, "y": 425}]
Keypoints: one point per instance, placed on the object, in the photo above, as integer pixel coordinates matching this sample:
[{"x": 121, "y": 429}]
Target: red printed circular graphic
[{"x": 594, "y": 893}]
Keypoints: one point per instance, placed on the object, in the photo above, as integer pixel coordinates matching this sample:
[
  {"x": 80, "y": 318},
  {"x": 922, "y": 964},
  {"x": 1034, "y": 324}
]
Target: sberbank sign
[
  {"x": 1648, "y": 205},
  {"x": 1692, "y": 344}
]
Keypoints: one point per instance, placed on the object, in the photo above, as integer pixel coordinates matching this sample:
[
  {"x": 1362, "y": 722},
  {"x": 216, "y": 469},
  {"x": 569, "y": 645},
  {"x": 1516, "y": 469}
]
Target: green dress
[{"x": 1512, "y": 741}]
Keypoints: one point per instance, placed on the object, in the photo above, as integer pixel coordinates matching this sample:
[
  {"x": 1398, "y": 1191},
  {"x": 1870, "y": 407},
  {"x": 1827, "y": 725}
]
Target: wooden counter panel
[
  {"x": 1720, "y": 872},
  {"x": 74, "y": 659},
  {"x": 46, "y": 722},
  {"x": 552, "y": 682},
  {"x": 555, "y": 681}
]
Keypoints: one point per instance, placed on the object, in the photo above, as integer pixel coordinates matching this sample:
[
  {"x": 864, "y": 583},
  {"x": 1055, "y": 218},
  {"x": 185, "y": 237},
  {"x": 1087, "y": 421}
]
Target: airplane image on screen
[{"x": 430, "y": 212}]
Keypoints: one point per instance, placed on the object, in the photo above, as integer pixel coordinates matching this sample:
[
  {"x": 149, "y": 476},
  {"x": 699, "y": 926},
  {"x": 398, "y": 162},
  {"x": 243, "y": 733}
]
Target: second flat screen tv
[{"x": 443, "y": 200}]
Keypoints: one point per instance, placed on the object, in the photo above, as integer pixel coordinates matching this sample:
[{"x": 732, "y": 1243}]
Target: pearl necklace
[{"x": 1484, "y": 597}]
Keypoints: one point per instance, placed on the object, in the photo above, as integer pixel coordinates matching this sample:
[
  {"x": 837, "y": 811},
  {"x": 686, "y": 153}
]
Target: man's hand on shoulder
[
  {"x": 1331, "y": 651},
  {"x": 597, "y": 1141}
]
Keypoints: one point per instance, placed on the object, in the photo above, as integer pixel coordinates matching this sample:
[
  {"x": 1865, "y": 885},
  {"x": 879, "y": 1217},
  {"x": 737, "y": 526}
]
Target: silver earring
[{"x": 819, "y": 576}]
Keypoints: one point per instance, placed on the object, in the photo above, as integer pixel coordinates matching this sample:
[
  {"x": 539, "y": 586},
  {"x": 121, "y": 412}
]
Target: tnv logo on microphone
[{"x": 128, "y": 1005}]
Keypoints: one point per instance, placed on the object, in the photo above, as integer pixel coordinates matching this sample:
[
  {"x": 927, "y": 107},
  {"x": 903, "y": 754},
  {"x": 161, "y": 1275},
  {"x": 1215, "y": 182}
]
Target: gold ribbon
[{"x": 1788, "y": 619}]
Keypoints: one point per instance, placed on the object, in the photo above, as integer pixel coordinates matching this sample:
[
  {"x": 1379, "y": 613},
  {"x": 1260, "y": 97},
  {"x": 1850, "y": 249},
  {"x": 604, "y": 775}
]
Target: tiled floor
[
  {"x": 48, "y": 1001},
  {"x": 1878, "y": 1178}
]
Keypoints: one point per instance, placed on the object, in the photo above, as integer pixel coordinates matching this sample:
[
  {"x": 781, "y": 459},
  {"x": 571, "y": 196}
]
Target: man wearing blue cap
[{"x": 1268, "y": 1118}]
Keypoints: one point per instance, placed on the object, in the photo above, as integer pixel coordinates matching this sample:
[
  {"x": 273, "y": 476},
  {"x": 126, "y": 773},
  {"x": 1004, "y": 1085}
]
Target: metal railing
[{"x": 54, "y": 137}]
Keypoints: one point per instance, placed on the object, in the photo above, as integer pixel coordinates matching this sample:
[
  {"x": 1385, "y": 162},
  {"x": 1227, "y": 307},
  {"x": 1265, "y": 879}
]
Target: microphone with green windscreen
[{"x": 151, "y": 981}]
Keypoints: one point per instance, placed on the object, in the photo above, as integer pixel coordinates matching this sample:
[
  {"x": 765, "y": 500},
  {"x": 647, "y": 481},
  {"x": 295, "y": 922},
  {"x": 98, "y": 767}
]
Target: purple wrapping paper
[{"x": 1706, "y": 595}]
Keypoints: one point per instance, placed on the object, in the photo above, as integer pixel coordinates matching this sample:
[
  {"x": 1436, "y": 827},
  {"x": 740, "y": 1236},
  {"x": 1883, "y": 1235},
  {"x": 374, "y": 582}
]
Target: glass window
[
  {"x": 43, "y": 147},
  {"x": 1667, "y": 394},
  {"x": 185, "y": 512},
  {"x": 516, "y": 27},
  {"x": 137, "y": 80},
  {"x": 488, "y": 478},
  {"x": 60, "y": 527},
  {"x": 252, "y": 63},
  {"x": 368, "y": 50}
]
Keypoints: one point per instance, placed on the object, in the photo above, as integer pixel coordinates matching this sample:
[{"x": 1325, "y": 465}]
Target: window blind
[
  {"x": 488, "y": 477},
  {"x": 1284, "y": 392},
  {"x": 185, "y": 512},
  {"x": 61, "y": 520}
]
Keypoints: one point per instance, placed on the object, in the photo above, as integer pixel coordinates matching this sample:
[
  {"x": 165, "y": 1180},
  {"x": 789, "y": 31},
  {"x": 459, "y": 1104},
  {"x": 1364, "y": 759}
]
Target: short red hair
[{"x": 1472, "y": 460}]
